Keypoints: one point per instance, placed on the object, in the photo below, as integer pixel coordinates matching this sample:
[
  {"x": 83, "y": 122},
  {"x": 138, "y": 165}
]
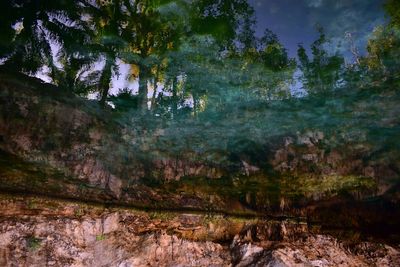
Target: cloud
[
  {"x": 314, "y": 3},
  {"x": 339, "y": 17}
]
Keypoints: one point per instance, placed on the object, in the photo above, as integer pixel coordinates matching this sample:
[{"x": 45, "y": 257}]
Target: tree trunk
[
  {"x": 174, "y": 97},
  {"x": 155, "y": 81},
  {"x": 105, "y": 82},
  {"x": 195, "y": 105},
  {"x": 143, "y": 90}
]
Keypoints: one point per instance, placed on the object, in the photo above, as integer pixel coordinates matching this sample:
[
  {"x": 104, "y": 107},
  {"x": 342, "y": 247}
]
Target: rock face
[{"x": 43, "y": 232}]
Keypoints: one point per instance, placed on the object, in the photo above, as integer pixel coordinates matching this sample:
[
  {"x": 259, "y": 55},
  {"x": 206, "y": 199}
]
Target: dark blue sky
[{"x": 294, "y": 20}]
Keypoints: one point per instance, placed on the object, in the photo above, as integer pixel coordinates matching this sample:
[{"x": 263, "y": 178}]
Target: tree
[
  {"x": 266, "y": 68},
  {"x": 273, "y": 53},
  {"x": 392, "y": 8},
  {"x": 210, "y": 31},
  {"x": 381, "y": 64},
  {"x": 8, "y": 17},
  {"x": 31, "y": 27},
  {"x": 384, "y": 53},
  {"x": 220, "y": 19},
  {"x": 134, "y": 32},
  {"x": 76, "y": 72},
  {"x": 322, "y": 73},
  {"x": 382, "y": 61}
]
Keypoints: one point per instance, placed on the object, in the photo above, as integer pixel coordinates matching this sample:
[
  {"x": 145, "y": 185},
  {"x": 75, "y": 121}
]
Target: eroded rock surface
[{"x": 43, "y": 232}]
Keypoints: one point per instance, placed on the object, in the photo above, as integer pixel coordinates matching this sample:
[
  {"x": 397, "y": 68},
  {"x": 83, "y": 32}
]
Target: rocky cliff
[{"x": 46, "y": 232}]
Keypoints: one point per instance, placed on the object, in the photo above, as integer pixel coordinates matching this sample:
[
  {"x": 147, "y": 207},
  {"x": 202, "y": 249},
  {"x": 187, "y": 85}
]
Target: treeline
[{"x": 186, "y": 56}]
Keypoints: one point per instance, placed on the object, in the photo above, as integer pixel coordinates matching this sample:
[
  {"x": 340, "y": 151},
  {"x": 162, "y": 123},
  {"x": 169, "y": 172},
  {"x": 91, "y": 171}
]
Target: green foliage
[
  {"x": 33, "y": 243},
  {"x": 124, "y": 101},
  {"x": 384, "y": 52},
  {"x": 31, "y": 27},
  {"x": 273, "y": 54},
  {"x": 100, "y": 237},
  {"x": 220, "y": 19},
  {"x": 7, "y": 32},
  {"x": 323, "y": 72},
  {"x": 392, "y": 8}
]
